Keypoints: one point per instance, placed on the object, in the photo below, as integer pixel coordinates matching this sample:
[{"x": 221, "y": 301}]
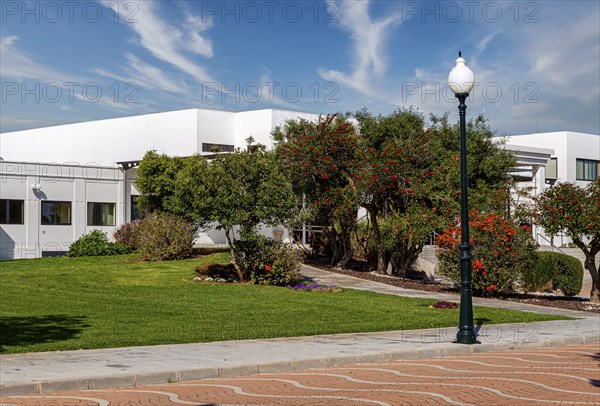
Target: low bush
[
  {"x": 215, "y": 271},
  {"x": 554, "y": 270},
  {"x": 266, "y": 262},
  {"x": 95, "y": 243},
  {"x": 539, "y": 277},
  {"x": 569, "y": 276},
  {"x": 165, "y": 236},
  {"x": 502, "y": 253},
  {"x": 127, "y": 234}
]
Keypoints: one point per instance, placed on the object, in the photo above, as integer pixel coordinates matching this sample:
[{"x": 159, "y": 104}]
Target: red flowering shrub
[{"x": 502, "y": 253}]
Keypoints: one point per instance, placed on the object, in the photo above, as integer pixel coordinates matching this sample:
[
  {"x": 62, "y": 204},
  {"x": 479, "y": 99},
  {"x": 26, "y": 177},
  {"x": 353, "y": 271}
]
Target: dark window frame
[
  {"x": 101, "y": 211},
  {"x": 586, "y": 162},
  {"x": 6, "y": 212},
  {"x": 208, "y": 147},
  {"x": 555, "y": 160},
  {"x": 47, "y": 202},
  {"x": 135, "y": 208}
]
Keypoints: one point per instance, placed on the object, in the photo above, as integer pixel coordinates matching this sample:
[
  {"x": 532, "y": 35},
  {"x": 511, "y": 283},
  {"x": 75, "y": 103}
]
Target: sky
[{"x": 536, "y": 63}]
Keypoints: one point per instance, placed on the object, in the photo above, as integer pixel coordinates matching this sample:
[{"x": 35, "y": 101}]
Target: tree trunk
[
  {"x": 233, "y": 257},
  {"x": 405, "y": 257},
  {"x": 381, "y": 263},
  {"x": 345, "y": 249},
  {"x": 590, "y": 266},
  {"x": 336, "y": 248}
]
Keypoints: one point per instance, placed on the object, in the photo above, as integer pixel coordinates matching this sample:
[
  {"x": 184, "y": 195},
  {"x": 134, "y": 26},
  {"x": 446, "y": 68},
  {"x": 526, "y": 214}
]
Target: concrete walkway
[{"x": 93, "y": 369}]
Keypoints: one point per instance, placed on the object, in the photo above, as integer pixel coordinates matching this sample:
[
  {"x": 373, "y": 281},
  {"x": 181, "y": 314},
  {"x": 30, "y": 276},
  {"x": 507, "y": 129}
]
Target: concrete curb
[{"x": 441, "y": 350}]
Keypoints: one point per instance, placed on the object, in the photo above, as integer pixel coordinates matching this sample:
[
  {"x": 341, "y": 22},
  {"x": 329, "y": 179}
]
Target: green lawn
[{"x": 99, "y": 302}]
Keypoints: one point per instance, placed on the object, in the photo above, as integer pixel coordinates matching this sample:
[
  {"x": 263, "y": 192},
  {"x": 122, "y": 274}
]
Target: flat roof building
[{"x": 58, "y": 183}]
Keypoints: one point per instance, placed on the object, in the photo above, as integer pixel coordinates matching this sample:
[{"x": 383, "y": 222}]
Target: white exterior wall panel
[{"x": 75, "y": 184}]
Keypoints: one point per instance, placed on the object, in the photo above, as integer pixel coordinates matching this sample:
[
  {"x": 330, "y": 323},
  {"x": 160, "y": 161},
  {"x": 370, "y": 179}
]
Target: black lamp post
[{"x": 461, "y": 81}]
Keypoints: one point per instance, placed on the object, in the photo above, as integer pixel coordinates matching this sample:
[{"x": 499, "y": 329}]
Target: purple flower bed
[
  {"x": 445, "y": 305},
  {"x": 312, "y": 288}
]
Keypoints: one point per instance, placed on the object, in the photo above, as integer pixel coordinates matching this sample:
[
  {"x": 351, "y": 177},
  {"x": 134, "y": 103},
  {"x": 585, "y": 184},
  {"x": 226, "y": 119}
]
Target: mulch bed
[{"x": 562, "y": 302}]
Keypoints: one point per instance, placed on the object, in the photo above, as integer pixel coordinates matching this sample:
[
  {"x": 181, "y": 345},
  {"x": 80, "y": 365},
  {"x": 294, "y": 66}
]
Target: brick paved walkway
[{"x": 540, "y": 376}]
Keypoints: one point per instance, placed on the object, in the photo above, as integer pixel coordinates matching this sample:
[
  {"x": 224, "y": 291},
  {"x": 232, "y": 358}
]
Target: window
[
  {"x": 136, "y": 212},
  {"x": 56, "y": 213},
  {"x": 223, "y": 147},
  {"x": 552, "y": 169},
  {"x": 12, "y": 211},
  {"x": 101, "y": 214},
  {"x": 587, "y": 169}
]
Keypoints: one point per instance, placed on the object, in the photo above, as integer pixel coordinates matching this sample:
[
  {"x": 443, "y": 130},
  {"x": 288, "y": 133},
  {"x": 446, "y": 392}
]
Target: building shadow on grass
[{"x": 23, "y": 331}]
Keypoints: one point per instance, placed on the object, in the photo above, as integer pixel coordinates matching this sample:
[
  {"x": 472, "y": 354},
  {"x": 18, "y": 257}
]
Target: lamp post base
[{"x": 466, "y": 337}]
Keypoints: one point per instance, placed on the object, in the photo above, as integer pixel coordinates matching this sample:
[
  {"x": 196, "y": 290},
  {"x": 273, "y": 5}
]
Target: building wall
[
  {"x": 76, "y": 184},
  {"x": 214, "y": 127},
  {"x": 105, "y": 142},
  {"x": 175, "y": 133},
  {"x": 567, "y": 146}
]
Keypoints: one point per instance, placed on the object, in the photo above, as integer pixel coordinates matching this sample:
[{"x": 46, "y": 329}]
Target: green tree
[
  {"x": 237, "y": 191},
  {"x": 175, "y": 185},
  {"x": 395, "y": 165},
  {"x": 424, "y": 165},
  {"x": 248, "y": 189},
  {"x": 488, "y": 164},
  {"x": 575, "y": 211},
  {"x": 320, "y": 158}
]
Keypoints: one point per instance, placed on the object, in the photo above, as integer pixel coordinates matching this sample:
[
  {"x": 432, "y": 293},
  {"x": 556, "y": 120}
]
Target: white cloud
[
  {"x": 195, "y": 42},
  {"x": 568, "y": 59},
  {"x": 16, "y": 64},
  {"x": 143, "y": 74},
  {"x": 167, "y": 42},
  {"x": 485, "y": 41},
  {"x": 369, "y": 42}
]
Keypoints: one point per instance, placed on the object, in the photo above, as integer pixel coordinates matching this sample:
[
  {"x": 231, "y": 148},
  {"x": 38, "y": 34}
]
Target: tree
[
  {"x": 321, "y": 161},
  {"x": 575, "y": 211},
  {"x": 424, "y": 194},
  {"x": 245, "y": 189},
  {"x": 395, "y": 163},
  {"x": 175, "y": 185},
  {"x": 248, "y": 188}
]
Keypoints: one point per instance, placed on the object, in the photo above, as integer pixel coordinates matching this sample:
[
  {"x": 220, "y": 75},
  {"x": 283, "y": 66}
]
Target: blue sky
[{"x": 537, "y": 64}]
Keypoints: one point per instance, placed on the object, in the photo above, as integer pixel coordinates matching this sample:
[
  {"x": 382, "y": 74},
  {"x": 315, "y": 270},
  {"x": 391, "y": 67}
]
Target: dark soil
[{"x": 360, "y": 271}]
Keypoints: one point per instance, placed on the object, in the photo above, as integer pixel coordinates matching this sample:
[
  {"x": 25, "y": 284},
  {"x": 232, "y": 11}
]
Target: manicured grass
[{"x": 100, "y": 302}]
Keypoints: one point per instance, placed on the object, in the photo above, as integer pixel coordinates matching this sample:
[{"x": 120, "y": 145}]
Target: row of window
[
  {"x": 59, "y": 213},
  {"x": 587, "y": 169}
]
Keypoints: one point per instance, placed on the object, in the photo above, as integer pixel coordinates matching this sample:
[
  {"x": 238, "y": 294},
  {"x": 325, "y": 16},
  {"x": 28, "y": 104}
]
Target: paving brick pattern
[{"x": 540, "y": 376}]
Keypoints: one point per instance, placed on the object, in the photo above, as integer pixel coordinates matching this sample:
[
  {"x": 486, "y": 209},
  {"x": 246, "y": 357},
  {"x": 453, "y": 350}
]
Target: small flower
[
  {"x": 268, "y": 267},
  {"x": 487, "y": 288},
  {"x": 494, "y": 287}
]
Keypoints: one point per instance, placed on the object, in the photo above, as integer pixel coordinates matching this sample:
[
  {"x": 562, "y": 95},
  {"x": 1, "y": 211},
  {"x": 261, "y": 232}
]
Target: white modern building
[
  {"x": 544, "y": 159},
  {"x": 57, "y": 183},
  {"x": 576, "y": 156},
  {"x": 175, "y": 133}
]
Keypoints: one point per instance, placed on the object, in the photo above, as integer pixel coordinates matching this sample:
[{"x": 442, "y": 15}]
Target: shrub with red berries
[{"x": 502, "y": 252}]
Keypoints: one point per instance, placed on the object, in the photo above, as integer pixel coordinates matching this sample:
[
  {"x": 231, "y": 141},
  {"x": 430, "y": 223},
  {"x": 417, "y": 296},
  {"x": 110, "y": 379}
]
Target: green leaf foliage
[
  {"x": 95, "y": 243},
  {"x": 164, "y": 236},
  {"x": 554, "y": 270},
  {"x": 574, "y": 210}
]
